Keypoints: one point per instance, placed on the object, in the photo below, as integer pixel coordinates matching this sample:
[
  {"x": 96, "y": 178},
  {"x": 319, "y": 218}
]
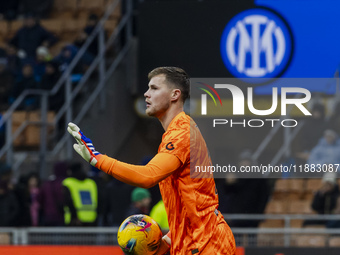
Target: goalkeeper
[{"x": 196, "y": 226}]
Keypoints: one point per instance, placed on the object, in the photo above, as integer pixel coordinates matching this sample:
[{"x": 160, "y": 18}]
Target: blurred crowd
[
  {"x": 72, "y": 196},
  {"x": 26, "y": 61},
  {"x": 318, "y": 141},
  {"x": 11, "y": 10}
]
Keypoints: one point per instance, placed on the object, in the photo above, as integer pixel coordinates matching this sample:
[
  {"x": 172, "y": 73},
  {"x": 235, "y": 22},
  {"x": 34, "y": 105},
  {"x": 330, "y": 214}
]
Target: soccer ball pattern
[{"x": 139, "y": 235}]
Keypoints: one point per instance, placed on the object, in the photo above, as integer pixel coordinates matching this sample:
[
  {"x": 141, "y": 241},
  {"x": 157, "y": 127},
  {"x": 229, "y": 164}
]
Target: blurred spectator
[
  {"x": 334, "y": 120},
  {"x": 158, "y": 213},
  {"x": 65, "y": 58},
  {"x": 80, "y": 39},
  {"x": 13, "y": 61},
  {"x": 140, "y": 202},
  {"x": 113, "y": 214},
  {"x": 27, "y": 191},
  {"x": 22, "y": 195},
  {"x": 102, "y": 179},
  {"x": 80, "y": 198},
  {"x": 237, "y": 194},
  {"x": 9, "y": 206},
  {"x": 30, "y": 37},
  {"x": 92, "y": 22},
  {"x": 42, "y": 57},
  {"x": 40, "y": 8},
  {"x": 6, "y": 84},
  {"x": 26, "y": 81},
  {"x": 325, "y": 199},
  {"x": 51, "y": 197},
  {"x": 335, "y": 223},
  {"x": 3, "y": 53},
  {"x": 9, "y": 9},
  {"x": 34, "y": 189},
  {"x": 6, "y": 174},
  {"x": 308, "y": 137},
  {"x": 48, "y": 80},
  {"x": 327, "y": 151}
]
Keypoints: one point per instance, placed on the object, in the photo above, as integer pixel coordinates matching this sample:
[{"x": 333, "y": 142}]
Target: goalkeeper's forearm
[{"x": 160, "y": 167}]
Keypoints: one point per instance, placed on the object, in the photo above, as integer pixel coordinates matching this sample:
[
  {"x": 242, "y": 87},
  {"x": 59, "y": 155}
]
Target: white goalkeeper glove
[{"x": 84, "y": 146}]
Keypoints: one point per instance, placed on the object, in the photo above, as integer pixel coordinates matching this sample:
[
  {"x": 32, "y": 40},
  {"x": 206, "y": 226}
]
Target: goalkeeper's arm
[
  {"x": 160, "y": 167},
  {"x": 165, "y": 244}
]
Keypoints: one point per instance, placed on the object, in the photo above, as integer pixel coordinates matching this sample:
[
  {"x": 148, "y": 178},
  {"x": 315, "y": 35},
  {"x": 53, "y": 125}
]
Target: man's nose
[{"x": 146, "y": 94}]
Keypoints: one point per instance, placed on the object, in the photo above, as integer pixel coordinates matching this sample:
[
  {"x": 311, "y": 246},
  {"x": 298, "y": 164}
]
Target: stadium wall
[
  {"x": 115, "y": 250},
  {"x": 57, "y": 250},
  {"x": 291, "y": 251}
]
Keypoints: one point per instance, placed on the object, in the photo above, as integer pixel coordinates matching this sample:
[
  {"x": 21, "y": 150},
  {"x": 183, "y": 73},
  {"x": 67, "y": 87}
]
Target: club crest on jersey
[{"x": 170, "y": 146}]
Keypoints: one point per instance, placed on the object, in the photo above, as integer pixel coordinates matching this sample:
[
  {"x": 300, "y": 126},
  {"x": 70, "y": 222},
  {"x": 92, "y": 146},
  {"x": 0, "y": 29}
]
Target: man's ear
[{"x": 175, "y": 94}]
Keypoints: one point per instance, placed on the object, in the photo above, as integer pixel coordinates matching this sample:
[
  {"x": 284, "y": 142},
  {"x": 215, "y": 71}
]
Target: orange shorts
[{"x": 222, "y": 242}]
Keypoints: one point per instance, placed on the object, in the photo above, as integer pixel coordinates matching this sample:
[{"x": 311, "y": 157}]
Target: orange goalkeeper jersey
[
  {"x": 190, "y": 198},
  {"x": 190, "y": 202}
]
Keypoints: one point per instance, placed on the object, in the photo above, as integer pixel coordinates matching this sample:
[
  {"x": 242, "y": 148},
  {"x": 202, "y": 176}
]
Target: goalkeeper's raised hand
[{"x": 84, "y": 146}]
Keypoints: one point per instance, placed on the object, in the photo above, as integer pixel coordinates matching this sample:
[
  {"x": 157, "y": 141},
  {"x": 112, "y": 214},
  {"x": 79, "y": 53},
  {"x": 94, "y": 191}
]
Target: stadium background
[{"x": 148, "y": 34}]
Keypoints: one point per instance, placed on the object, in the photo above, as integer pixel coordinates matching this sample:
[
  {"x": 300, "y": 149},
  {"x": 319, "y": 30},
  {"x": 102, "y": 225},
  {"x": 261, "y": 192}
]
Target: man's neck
[{"x": 170, "y": 114}]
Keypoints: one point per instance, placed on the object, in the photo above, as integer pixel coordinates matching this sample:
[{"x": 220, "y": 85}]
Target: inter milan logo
[{"x": 256, "y": 44}]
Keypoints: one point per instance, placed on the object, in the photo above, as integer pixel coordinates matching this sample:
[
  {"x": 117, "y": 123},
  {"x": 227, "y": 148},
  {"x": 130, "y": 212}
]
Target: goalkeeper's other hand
[
  {"x": 84, "y": 146},
  {"x": 165, "y": 245}
]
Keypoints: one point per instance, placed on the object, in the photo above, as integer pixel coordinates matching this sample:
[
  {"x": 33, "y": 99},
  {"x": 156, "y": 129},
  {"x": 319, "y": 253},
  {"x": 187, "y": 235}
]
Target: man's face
[
  {"x": 11, "y": 50},
  {"x": 29, "y": 22},
  {"x": 330, "y": 138},
  {"x": 67, "y": 53},
  {"x": 327, "y": 187},
  {"x": 27, "y": 70},
  {"x": 91, "y": 22},
  {"x": 50, "y": 69},
  {"x": 158, "y": 96},
  {"x": 145, "y": 202}
]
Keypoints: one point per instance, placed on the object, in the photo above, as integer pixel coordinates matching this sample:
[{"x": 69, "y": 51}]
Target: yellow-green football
[{"x": 139, "y": 235}]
